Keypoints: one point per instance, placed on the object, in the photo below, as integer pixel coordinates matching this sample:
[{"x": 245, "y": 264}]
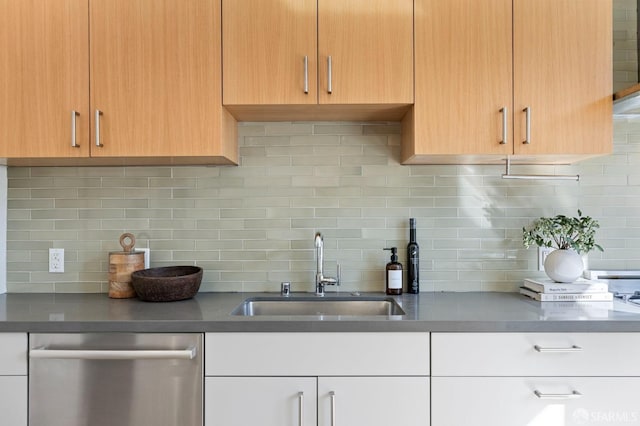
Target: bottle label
[{"x": 395, "y": 279}]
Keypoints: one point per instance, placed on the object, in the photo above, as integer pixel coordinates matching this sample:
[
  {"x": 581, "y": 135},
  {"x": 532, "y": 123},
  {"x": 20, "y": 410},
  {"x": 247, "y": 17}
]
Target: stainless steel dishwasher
[{"x": 115, "y": 379}]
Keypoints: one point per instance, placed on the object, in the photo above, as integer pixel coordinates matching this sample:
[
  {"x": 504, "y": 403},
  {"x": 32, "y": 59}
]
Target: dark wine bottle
[{"x": 413, "y": 260}]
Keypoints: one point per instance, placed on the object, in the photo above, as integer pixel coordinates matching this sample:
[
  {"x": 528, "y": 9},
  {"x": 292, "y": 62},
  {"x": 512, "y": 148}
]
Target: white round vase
[{"x": 563, "y": 266}]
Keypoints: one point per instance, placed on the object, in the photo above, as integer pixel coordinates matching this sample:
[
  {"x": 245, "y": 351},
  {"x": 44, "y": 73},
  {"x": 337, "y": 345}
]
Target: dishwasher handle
[{"x": 43, "y": 353}]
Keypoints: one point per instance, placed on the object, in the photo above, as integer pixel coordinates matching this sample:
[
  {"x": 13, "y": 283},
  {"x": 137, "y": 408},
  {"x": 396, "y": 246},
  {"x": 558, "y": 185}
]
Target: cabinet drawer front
[
  {"x": 536, "y": 354},
  {"x": 13, "y": 400},
  {"x": 13, "y": 354},
  {"x": 512, "y": 401},
  {"x": 316, "y": 354}
]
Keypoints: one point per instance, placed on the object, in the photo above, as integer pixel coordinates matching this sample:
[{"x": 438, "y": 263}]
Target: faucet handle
[{"x": 333, "y": 281}]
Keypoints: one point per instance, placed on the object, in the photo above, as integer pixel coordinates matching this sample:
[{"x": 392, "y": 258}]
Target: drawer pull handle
[
  {"x": 74, "y": 142},
  {"x": 301, "y": 408},
  {"x": 306, "y": 75},
  {"x": 527, "y": 113},
  {"x": 332, "y": 394},
  {"x": 573, "y": 395},
  {"x": 505, "y": 125},
  {"x": 98, "y": 142},
  {"x": 329, "y": 75},
  {"x": 573, "y": 348},
  {"x": 111, "y": 355}
]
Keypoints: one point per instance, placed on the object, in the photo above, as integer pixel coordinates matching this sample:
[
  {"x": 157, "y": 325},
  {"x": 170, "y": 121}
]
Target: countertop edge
[
  {"x": 264, "y": 326},
  {"x": 211, "y": 312}
]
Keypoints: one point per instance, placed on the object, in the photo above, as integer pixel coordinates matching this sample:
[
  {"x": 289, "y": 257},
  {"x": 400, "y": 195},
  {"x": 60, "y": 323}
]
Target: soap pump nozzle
[{"x": 394, "y": 253}]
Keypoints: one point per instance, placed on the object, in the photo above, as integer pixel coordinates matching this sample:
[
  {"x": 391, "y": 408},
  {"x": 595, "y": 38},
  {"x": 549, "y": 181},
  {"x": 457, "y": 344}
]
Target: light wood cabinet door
[
  {"x": 463, "y": 77},
  {"x": 155, "y": 78},
  {"x": 484, "y": 69},
  {"x": 370, "y": 43},
  {"x": 265, "y": 43},
  {"x": 44, "y": 58},
  {"x": 563, "y": 74},
  {"x": 269, "y": 52}
]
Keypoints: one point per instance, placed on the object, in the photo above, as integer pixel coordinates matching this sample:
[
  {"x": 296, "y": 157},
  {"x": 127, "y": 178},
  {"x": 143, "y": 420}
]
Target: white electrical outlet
[
  {"x": 56, "y": 260},
  {"x": 543, "y": 252}
]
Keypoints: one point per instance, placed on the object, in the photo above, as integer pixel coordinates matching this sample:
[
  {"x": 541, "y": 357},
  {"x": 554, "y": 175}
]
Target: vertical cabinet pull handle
[
  {"x": 300, "y": 408},
  {"x": 527, "y": 112},
  {"x": 573, "y": 395},
  {"x": 306, "y": 75},
  {"x": 329, "y": 76},
  {"x": 332, "y": 394},
  {"x": 504, "y": 112},
  {"x": 572, "y": 348},
  {"x": 98, "y": 114},
  {"x": 74, "y": 142}
]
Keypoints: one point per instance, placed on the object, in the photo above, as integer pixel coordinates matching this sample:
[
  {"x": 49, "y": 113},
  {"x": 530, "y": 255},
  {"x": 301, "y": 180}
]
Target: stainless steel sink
[{"x": 316, "y": 306}]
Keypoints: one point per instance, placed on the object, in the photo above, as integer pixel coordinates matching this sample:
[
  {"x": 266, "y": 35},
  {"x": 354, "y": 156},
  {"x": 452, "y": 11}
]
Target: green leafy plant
[{"x": 562, "y": 232}]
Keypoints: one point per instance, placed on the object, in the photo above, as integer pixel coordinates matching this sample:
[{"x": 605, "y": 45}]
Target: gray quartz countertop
[{"x": 210, "y": 312}]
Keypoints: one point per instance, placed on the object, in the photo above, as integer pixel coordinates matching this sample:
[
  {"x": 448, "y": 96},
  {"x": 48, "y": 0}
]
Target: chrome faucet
[{"x": 321, "y": 280}]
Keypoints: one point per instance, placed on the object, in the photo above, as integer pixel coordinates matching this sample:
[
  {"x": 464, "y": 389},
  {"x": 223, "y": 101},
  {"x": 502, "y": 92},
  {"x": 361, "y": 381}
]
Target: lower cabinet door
[
  {"x": 373, "y": 401},
  {"x": 535, "y": 401},
  {"x": 13, "y": 400},
  {"x": 260, "y": 401}
]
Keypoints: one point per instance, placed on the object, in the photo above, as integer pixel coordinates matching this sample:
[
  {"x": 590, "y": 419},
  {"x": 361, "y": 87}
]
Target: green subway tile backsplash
[{"x": 251, "y": 227}]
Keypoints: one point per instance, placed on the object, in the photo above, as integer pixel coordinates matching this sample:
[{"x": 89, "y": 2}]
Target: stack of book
[
  {"x": 546, "y": 290},
  {"x": 580, "y": 310}
]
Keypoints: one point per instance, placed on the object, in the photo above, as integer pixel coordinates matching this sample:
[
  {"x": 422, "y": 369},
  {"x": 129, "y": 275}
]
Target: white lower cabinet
[
  {"x": 373, "y": 401},
  {"x": 293, "y": 401},
  {"x": 13, "y": 400},
  {"x": 535, "y": 379},
  {"x": 442, "y": 379},
  {"x": 13, "y": 379},
  {"x": 264, "y": 401},
  {"x": 535, "y": 401},
  {"x": 323, "y": 379}
]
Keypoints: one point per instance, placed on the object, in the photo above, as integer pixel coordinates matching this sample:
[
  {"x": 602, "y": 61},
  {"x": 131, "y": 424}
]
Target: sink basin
[{"x": 315, "y": 306}]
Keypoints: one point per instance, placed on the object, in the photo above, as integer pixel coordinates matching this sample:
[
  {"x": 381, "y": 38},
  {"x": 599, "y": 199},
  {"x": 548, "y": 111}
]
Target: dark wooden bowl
[{"x": 167, "y": 284}]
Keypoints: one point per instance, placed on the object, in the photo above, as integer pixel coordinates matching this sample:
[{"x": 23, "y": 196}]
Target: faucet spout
[
  {"x": 321, "y": 280},
  {"x": 319, "y": 243}
]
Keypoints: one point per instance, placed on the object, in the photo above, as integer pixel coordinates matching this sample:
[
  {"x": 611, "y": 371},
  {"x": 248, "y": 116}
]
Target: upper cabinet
[
  {"x": 350, "y": 54},
  {"x": 155, "y": 80},
  {"x": 151, "y": 69},
  {"x": 563, "y": 104},
  {"x": 105, "y": 82},
  {"x": 269, "y": 52},
  {"x": 365, "y": 51},
  {"x": 44, "y": 78},
  {"x": 529, "y": 78}
]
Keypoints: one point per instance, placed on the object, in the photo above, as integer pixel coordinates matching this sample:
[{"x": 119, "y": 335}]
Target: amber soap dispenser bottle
[{"x": 394, "y": 273}]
